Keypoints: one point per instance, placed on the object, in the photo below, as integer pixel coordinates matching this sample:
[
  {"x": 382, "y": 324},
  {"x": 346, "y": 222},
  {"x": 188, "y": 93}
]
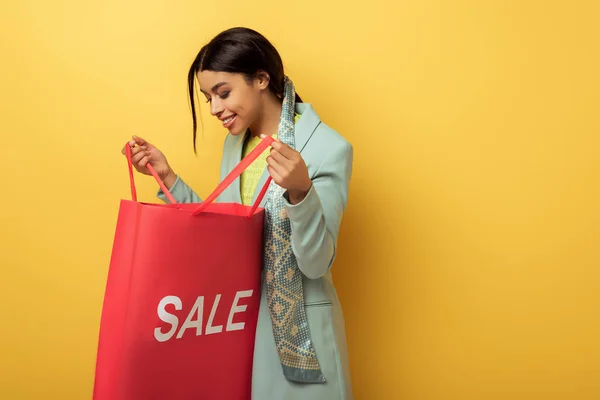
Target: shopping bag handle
[
  {"x": 237, "y": 171},
  {"x": 152, "y": 171}
]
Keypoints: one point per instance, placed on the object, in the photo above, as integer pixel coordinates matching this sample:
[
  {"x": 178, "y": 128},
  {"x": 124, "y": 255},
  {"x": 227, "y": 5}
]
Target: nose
[{"x": 216, "y": 108}]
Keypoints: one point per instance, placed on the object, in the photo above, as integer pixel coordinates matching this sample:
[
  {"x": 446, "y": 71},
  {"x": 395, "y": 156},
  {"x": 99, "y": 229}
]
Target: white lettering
[
  {"x": 237, "y": 309},
  {"x": 167, "y": 317},
  {"x": 210, "y": 329},
  {"x": 197, "y": 309},
  {"x": 195, "y": 317}
]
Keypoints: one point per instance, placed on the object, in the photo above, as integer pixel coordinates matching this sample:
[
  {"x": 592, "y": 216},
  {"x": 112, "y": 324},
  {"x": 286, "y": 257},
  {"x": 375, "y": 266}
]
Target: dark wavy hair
[{"x": 238, "y": 50}]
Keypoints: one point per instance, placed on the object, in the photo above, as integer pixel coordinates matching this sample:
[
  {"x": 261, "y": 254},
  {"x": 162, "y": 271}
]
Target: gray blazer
[{"x": 315, "y": 224}]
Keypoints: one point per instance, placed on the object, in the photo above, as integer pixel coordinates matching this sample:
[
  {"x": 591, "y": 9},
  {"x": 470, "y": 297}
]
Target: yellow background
[{"x": 469, "y": 256}]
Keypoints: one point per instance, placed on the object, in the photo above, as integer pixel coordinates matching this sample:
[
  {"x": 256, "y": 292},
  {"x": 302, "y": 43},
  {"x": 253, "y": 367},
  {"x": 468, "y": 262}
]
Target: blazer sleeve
[
  {"x": 315, "y": 221},
  {"x": 181, "y": 192}
]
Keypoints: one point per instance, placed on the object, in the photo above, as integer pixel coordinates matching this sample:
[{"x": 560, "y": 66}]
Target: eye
[{"x": 224, "y": 95}]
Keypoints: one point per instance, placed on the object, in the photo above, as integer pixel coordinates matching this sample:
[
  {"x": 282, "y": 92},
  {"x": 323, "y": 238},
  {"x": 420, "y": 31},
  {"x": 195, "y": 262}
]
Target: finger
[
  {"x": 275, "y": 175},
  {"x": 276, "y": 164},
  {"x": 139, "y": 156},
  {"x": 279, "y": 145},
  {"x": 142, "y": 163},
  {"x": 139, "y": 141},
  {"x": 284, "y": 149},
  {"x": 138, "y": 149},
  {"x": 280, "y": 158},
  {"x": 282, "y": 171}
]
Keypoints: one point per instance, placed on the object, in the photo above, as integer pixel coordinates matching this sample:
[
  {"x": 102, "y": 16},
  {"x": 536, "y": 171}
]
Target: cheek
[
  {"x": 243, "y": 104},
  {"x": 235, "y": 106},
  {"x": 244, "y": 109}
]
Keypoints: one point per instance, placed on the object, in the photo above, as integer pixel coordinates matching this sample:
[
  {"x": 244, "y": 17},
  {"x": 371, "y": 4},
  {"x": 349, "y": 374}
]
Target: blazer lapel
[{"x": 307, "y": 124}]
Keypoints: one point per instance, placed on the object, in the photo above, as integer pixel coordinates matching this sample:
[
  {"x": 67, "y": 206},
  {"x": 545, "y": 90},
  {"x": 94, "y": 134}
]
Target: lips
[{"x": 229, "y": 120}]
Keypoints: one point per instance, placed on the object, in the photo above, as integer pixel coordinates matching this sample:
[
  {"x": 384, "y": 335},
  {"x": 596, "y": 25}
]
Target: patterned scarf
[{"x": 285, "y": 295}]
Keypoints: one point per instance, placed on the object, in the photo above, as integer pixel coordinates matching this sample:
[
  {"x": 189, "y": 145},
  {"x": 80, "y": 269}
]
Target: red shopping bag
[{"x": 182, "y": 298}]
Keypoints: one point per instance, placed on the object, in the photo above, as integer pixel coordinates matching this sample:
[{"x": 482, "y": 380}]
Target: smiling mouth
[{"x": 229, "y": 120}]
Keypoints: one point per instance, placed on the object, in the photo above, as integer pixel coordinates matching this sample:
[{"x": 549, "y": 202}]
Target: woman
[{"x": 300, "y": 350}]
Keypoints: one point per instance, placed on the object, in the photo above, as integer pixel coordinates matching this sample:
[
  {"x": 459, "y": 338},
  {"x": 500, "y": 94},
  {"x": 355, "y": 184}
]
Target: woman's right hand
[{"x": 143, "y": 152}]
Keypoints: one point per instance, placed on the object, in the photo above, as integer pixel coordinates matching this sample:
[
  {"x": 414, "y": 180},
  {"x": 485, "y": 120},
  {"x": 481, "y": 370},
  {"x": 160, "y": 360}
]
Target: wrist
[
  {"x": 169, "y": 179},
  {"x": 296, "y": 196}
]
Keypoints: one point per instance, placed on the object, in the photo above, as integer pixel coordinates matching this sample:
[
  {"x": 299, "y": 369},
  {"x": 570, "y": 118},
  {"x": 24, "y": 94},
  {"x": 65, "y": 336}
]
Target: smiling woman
[
  {"x": 237, "y": 54},
  {"x": 300, "y": 347},
  {"x": 235, "y": 99}
]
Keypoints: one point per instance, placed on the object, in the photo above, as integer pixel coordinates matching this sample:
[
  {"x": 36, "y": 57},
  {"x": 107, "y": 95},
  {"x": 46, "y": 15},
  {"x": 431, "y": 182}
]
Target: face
[{"x": 233, "y": 100}]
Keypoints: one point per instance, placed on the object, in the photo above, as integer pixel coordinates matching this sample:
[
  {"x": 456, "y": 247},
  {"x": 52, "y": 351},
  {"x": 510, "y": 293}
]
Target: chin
[{"x": 237, "y": 131}]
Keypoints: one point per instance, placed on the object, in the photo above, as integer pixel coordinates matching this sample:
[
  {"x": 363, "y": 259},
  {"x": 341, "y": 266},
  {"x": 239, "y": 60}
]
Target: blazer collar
[{"x": 306, "y": 126}]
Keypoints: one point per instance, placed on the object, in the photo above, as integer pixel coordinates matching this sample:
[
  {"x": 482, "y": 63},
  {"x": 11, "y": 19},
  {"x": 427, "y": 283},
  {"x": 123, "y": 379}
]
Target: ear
[{"x": 262, "y": 79}]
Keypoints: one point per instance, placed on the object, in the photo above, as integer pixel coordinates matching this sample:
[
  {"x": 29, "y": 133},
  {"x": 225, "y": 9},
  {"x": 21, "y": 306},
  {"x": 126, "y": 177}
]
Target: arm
[
  {"x": 181, "y": 192},
  {"x": 315, "y": 221}
]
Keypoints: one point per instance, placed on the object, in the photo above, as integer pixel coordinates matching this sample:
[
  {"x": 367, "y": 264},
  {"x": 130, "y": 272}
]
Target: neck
[{"x": 268, "y": 122}]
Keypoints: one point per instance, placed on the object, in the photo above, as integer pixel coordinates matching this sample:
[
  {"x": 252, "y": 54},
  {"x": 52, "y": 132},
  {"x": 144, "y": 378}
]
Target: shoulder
[
  {"x": 325, "y": 144},
  {"x": 329, "y": 138}
]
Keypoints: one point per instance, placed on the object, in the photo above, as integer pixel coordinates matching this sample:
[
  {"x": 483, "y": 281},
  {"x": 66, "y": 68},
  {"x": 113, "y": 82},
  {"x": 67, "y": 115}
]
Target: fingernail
[{"x": 132, "y": 143}]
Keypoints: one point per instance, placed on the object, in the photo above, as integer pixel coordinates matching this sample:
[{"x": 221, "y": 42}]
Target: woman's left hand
[{"x": 288, "y": 170}]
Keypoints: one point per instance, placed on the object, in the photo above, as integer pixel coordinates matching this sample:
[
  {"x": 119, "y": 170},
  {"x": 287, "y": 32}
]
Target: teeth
[{"x": 228, "y": 120}]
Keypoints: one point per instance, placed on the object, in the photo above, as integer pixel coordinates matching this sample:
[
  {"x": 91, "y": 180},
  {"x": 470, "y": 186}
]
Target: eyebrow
[{"x": 214, "y": 88}]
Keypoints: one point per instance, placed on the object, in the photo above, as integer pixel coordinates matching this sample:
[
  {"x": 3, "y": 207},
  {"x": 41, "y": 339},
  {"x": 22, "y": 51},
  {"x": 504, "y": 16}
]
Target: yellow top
[{"x": 252, "y": 174}]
